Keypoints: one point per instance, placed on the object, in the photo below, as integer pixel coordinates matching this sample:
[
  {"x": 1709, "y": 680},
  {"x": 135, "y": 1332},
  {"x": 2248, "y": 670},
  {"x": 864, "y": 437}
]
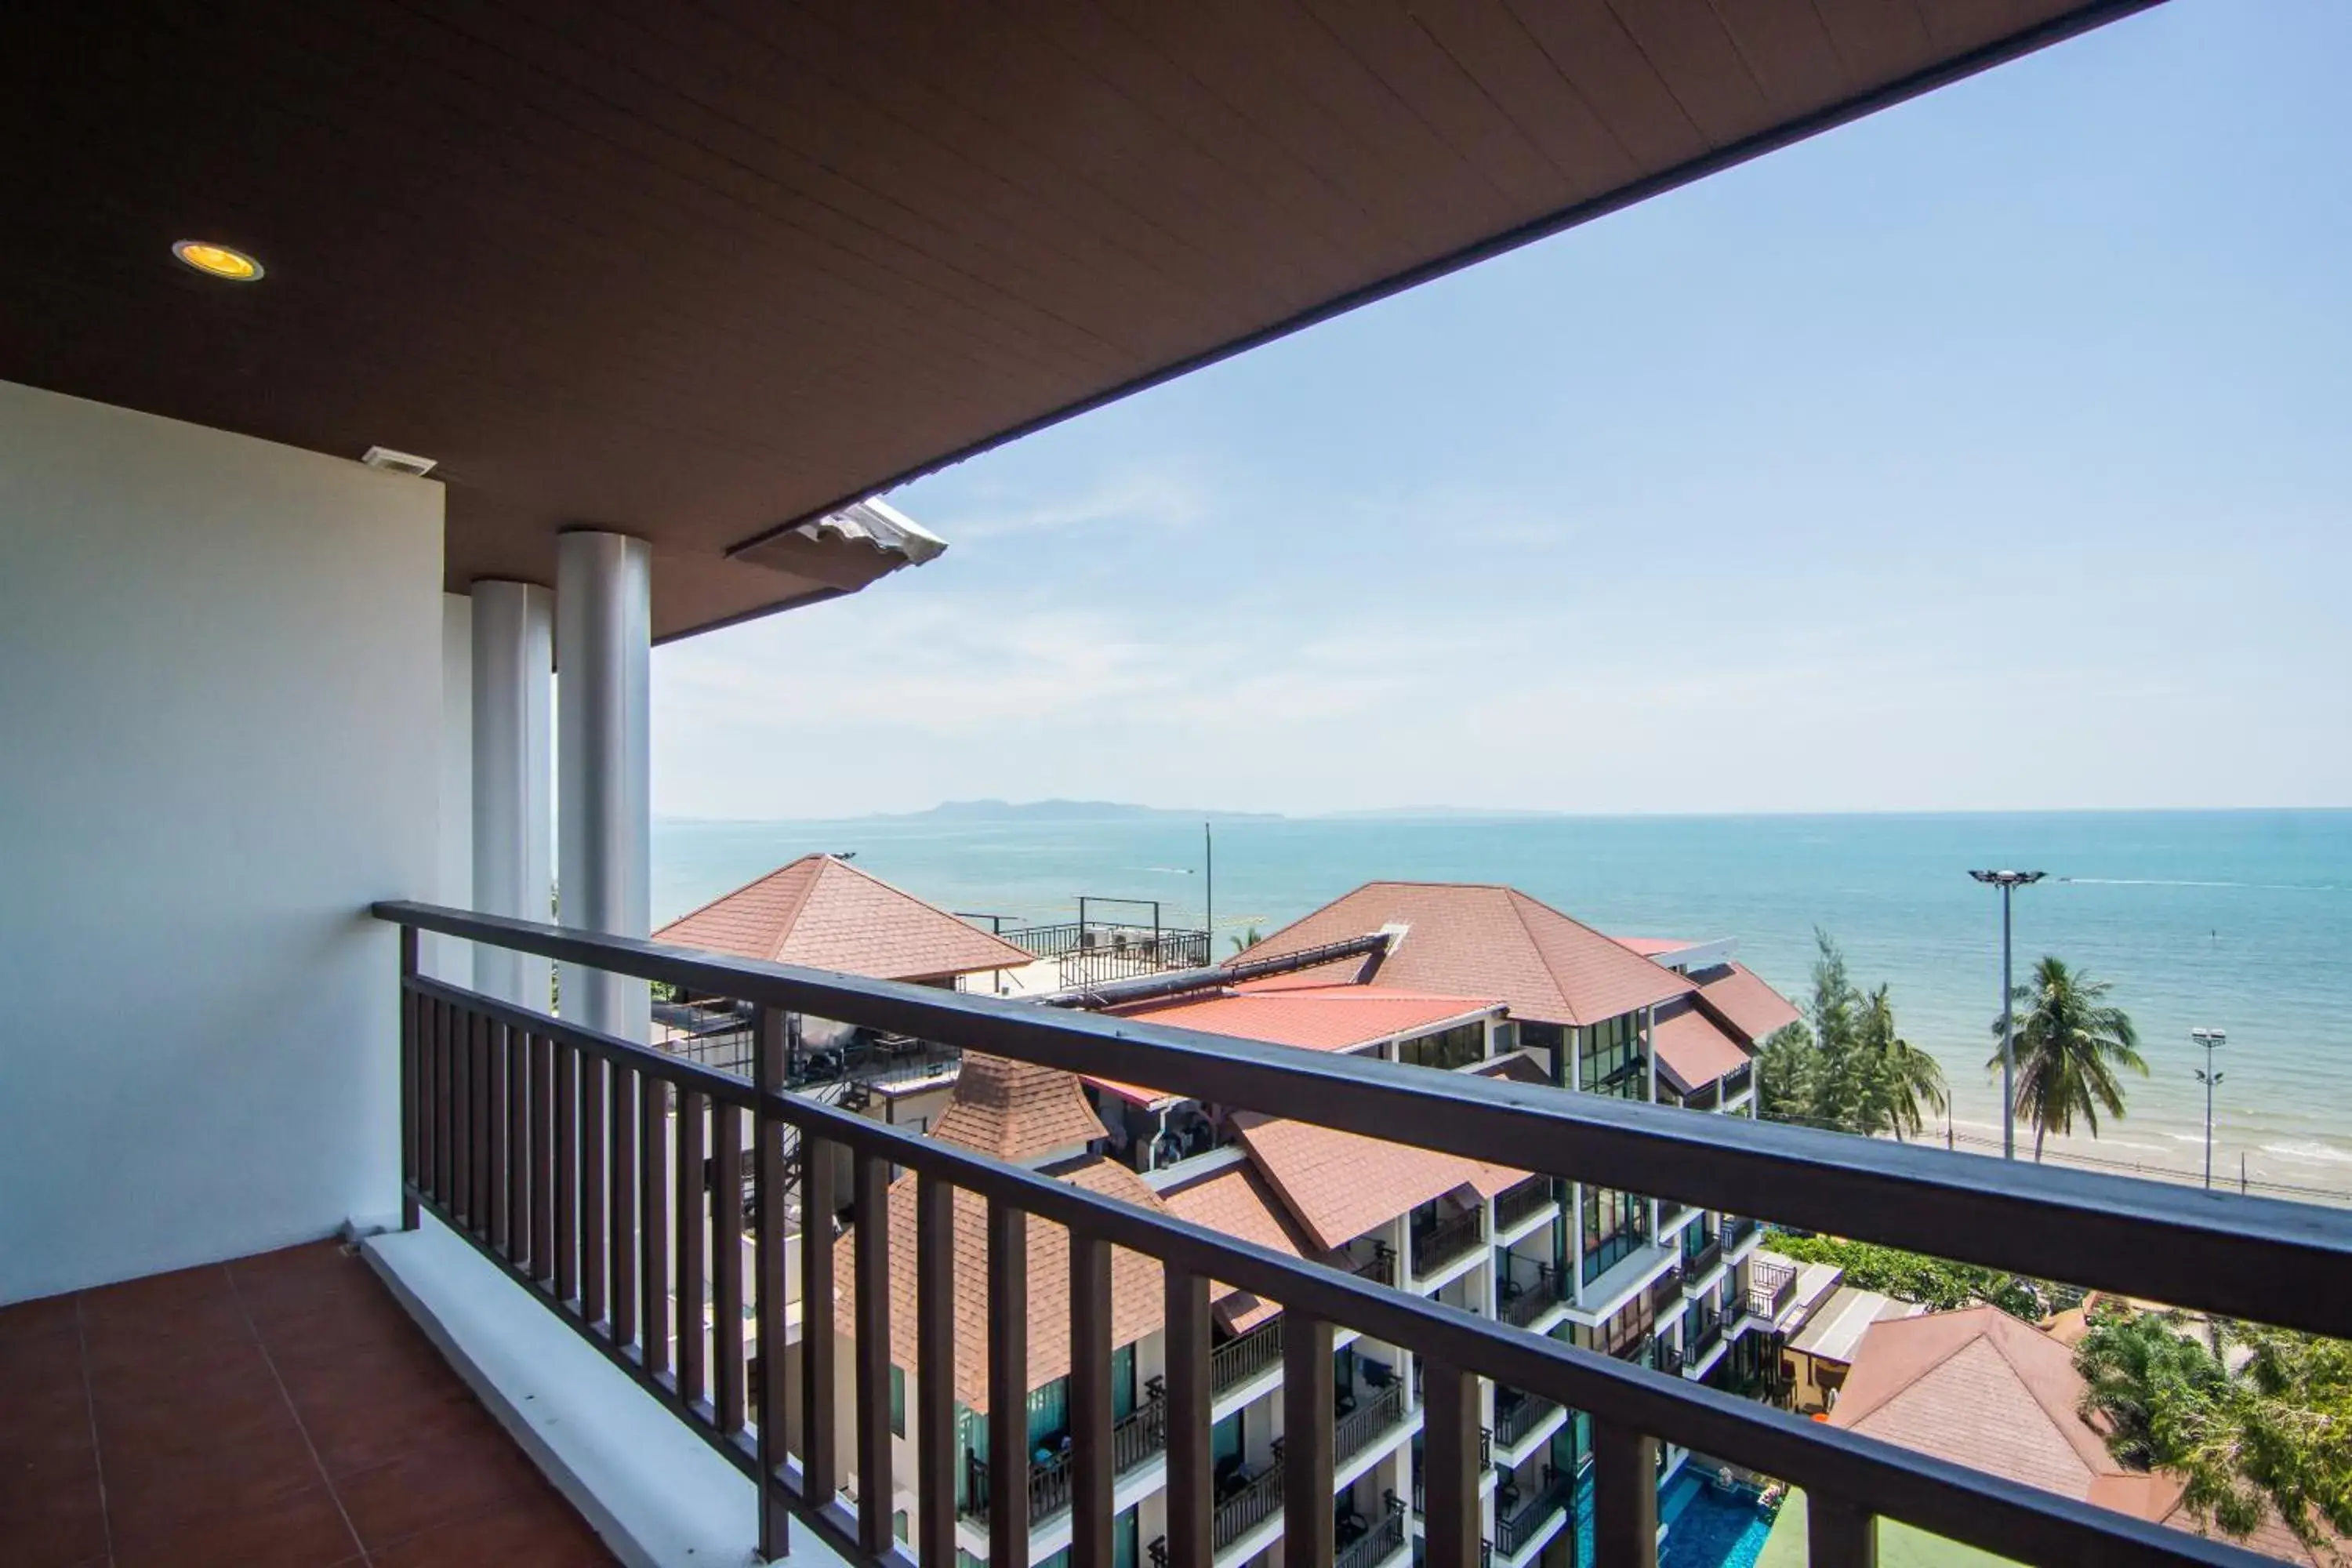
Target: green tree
[
  {"x": 1247, "y": 940},
  {"x": 1933, "y": 1283},
  {"x": 1903, "y": 1084},
  {"x": 2273, "y": 1435},
  {"x": 1847, "y": 1066},
  {"x": 2071, "y": 1043}
]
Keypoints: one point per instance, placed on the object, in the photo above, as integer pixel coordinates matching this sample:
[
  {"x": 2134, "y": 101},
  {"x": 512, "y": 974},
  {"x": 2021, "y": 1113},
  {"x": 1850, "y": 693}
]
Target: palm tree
[
  {"x": 2070, "y": 1046},
  {"x": 1902, "y": 1078}
]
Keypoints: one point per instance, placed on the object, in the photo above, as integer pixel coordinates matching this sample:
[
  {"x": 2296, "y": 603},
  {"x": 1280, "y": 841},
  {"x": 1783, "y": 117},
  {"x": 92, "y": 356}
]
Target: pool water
[{"x": 1710, "y": 1529}]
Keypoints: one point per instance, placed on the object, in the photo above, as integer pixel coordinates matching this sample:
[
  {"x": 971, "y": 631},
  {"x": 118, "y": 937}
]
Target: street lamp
[
  {"x": 2208, "y": 1076},
  {"x": 2008, "y": 882}
]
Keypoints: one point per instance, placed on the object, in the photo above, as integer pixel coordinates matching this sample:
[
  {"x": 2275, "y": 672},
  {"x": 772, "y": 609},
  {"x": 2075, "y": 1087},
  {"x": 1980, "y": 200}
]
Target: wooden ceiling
[{"x": 699, "y": 269}]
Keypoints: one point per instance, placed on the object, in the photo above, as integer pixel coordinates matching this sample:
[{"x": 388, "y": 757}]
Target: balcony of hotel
[
  {"x": 1523, "y": 1422},
  {"x": 1440, "y": 1242},
  {"x": 1522, "y": 1209},
  {"x": 291, "y": 793},
  {"x": 1527, "y": 1516}
]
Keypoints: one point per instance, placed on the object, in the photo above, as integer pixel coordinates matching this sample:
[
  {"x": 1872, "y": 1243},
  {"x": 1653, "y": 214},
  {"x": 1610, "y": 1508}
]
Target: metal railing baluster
[
  {"x": 496, "y": 1046},
  {"x": 1625, "y": 1496},
  {"x": 481, "y": 1114},
  {"x": 1450, "y": 1447},
  {"x": 593, "y": 1148},
  {"x": 1191, "y": 1521},
  {"x": 654, "y": 1199},
  {"x": 412, "y": 1081},
  {"x": 934, "y": 1425},
  {"x": 1094, "y": 1463},
  {"x": 622, "y": 1214},
  {"x": 690, "y": 1228},
  {"x": 1008, "y": 1382},
  {"x": 516, "y": 1166},
  {"x": 768, "y": 1286},
  {"x": 727, "y": 1266},
  {"x": 544, "y": 1159},
  {"x": 875, "y": 1482},
  {"x": 1307, "y": 1442},
  {"x": 820, "y": 1455}
]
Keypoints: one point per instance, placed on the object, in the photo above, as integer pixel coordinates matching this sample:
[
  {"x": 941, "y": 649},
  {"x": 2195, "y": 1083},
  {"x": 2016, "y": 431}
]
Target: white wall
[
  {"x": 447, "y": 957},
  {"x": 221, "y": 700}
]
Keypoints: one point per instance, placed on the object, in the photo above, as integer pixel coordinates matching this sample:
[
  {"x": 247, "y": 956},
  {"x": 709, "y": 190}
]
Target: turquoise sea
[{"x": 2236, "y": 920}]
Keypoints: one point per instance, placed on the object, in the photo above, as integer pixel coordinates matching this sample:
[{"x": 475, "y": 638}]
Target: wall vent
[{"x": 393, "y": 462}]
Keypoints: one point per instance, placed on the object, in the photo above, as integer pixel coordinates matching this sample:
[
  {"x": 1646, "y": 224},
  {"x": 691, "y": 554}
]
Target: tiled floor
[{"x": 275, "y": 1411}]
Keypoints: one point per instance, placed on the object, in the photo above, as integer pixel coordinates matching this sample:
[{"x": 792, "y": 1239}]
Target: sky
[{"x": 1992, "y": 453}]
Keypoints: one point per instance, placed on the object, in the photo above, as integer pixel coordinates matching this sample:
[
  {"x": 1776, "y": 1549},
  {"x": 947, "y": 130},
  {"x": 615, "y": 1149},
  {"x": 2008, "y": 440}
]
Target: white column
[
  {"x": 514, "y": 718},
  {"x": 604, "y": 626}
]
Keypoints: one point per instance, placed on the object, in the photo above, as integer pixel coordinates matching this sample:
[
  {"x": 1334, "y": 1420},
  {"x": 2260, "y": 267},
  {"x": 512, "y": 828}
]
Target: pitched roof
[
  {"x": 1016, "y": 1110},
  {"x": 1237, "y": 1202},
  {"x": 823, "y": 912},
  {"x": 1979, "y": 1388},
  {"x": 1481, "y": 940},
  {"x": 1743, "y": 1003},
  {"x": 1340, "y": 1184},
  {"x": 1138, "y": 1300},
  {"x": 1692, "y": 1048},
  {"x": 1322, "y": 1016}
]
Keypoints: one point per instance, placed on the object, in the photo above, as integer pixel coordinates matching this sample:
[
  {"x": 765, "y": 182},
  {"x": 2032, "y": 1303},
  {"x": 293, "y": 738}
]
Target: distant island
[{"x": 1065, "y": 811}]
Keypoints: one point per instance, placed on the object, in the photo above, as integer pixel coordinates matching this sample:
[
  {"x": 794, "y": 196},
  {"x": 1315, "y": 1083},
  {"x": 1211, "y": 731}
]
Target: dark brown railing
[
  {"x": 1250, "y": 1505},
  {"x": 1736, "y": 1082},
  {"x": 1443, "y": 1241},
  {"x": 1143, "y": 1433},
  {"x": 1696, "y": 1264},
  {"x": 1372, "y": 1416},
  {"x": 1377, "y": 1544},
  {"x": 1516, "y": 1527},
  {"x": 1528, "y": 1300},
  {"x": 1738, "y": 1229},
  {"x": 1669, "y": 1359},
  {"x": 1516, "y": 1420},
  {"x": 561, "y": 1153},
  {"x": 1666, "y": 1289},
  {"x": 1515, "y": 1205},
  {"x": 1249, "y": 1355},
  {"x": 1380, "y": 1269},
  {"x": 1702, "y": 1339}
]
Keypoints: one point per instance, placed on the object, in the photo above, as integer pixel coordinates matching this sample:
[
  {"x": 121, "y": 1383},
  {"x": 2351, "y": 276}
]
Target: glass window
[
  {"x": 1615, "y": 1222},
  {"x": 1122, "y": 1382},
  {"x": 897, "y": 1402},
  {"x": 1609, "y": 1059},
  {"x": 1225, "y": 1441},
  {"x": 1447, "y": 1049},
  {"x": 1126, "y": 1540},
  {"x": 1049, "y": 1413}
]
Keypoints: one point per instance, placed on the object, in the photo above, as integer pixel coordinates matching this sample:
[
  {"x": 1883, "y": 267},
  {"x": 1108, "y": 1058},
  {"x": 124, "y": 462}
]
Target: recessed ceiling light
[
  {"x": 218, "y": 260},
  {"x": 393, "y": 462}
]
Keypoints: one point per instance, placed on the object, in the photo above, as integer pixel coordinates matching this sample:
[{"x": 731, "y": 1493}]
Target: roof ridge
[
  {"x": 799, "y": 905},
  {"x": 1512, "y": 899},
  {"x": 1908, "y": 1384},
  {"x": 735, "y": 892}
]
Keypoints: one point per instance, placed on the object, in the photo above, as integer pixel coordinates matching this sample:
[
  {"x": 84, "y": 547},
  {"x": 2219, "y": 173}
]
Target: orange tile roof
[
  {"x": 1341, "y": 1185},
  {"x": 1237, "y": 1202},
  {"x": 1016, "y": 1110},
  {"x": 1979, "y": 1388},
  {"x": 827, "y": 914},
  {"x": 1743, "y": 1003},
  {"x": 1138, "y": 1299},
  {"x": 1480, "y": 939},
  {"x": 1693, "y": 1049},
  {"x": 1320, "y": 1017}
]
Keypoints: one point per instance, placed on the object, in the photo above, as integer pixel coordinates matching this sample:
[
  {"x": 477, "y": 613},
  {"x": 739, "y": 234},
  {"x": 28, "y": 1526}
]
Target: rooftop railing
[
  {"x": 560, "y": 1153},
  {"x": 1770, "y": 1287}
]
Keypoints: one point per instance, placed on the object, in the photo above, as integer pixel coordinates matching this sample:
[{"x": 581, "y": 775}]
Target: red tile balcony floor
[{"x": 278, "y": 1411}]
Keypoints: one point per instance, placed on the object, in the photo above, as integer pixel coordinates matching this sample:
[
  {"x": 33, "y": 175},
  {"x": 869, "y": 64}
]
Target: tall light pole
[
  {"x": 2208, "y": 1076},
  {"x": 2008, "y": 882}
]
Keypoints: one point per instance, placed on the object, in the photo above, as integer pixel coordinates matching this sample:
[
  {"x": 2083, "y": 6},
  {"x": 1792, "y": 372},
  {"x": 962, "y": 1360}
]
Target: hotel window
[
  {"x": 1614, "y": 1224},
  {"x": 1446, "y": 1050},
  {"x": 1609, "y": 1059},
  {"x": 897, "y": 1402}
]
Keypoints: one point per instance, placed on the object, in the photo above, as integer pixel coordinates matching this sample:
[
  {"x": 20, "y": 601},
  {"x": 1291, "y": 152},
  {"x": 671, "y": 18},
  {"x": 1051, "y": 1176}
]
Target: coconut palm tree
[
  {"x": 1904, "y": 1083},
  {"x": 2070, "y": 1046}
]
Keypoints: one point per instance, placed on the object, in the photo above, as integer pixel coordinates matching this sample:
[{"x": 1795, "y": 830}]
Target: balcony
[
  {"x": 1739, "y": 1082},
  {"x": 1247, "y": 1504},
  {"x": 1665, "y": 1290},
  {"x": 1353, "y": 1431},
  {"x": 561, "y": 1155},
  {"x": 1513, "y": 1206},
  {"x": 1523, "y": 1301},
  {"x": 1701, "y": 1339},
  {"x": 1377, "y": 1544},
  {"x": 1380, "y": 1269},
  {"x": 1771, "y": 1287},
  {"x": 1739, "y": 1230},
  {"x": 1247, "y": 1356},
  {"x": 1141, "y": 1435},
  {"x": 1441, "y": 1242},
  {"x": 1698, "y": 1263},
  {"x": 1517, "y": 1416},
  {"x": 1520, "y": 1521},
  {"x": 1669, "y": 1359}
]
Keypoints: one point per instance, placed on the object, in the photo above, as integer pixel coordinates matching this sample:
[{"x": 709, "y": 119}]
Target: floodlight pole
[
  {"x": 2008, "y": 882},
  {"x": 2209, "y": 1038}
]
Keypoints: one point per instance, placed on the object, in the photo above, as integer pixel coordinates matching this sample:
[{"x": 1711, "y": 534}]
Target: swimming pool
[{"x": 1707, "y": 1528}]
